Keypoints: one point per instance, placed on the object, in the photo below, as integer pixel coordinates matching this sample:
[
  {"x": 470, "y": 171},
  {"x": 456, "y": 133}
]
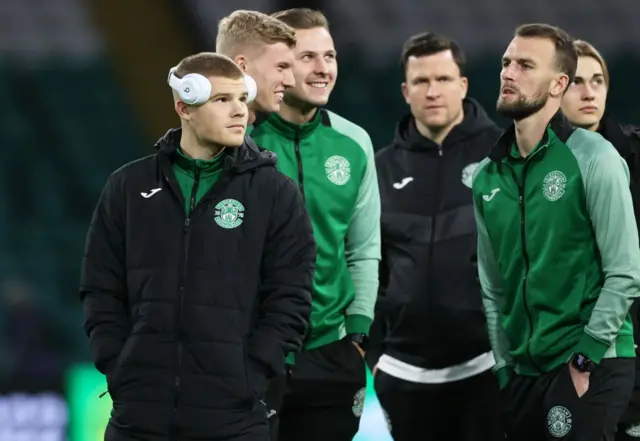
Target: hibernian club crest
[
  {"x": 559, "y": 421},
  {"x": 229, "y": 213},
  {"x": 338, "y": 170},
  {"x": 554, "y": 185}
]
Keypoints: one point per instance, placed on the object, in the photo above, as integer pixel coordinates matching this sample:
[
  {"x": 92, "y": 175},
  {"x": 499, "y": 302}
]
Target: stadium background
[{"x": 82, "y": 90}]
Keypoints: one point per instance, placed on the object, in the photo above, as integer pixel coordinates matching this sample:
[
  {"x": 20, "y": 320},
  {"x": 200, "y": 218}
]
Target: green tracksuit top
[
  {"x": 332, "y": 161},
  {"x": 558, "y": 254}
]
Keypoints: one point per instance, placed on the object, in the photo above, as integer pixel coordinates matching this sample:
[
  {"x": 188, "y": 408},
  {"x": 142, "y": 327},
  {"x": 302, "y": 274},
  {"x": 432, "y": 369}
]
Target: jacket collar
[
  {"x": 559, "y": 124},
  {"x": 290, "y": 130},
  {"x": 236, "y": 160}
]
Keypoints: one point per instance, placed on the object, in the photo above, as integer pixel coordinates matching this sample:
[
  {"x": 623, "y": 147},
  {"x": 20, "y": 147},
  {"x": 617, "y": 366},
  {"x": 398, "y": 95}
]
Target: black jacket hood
[
  {"x": 624, "y": 138},
  {"x": 475, "y": 120},
  {"x": 243, "y": 158}
]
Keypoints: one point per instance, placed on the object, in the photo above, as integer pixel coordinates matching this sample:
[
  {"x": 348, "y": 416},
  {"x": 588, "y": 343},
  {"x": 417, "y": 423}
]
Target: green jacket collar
[
  {"x": 559, "y": 124},
  {"x": 291, "y": 130},
  {"x": 514, "y": 153},
  {"x": 206, "y": 166}
]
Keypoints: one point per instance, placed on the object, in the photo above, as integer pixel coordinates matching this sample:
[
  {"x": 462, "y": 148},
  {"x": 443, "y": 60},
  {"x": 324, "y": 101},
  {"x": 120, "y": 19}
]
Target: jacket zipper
[
  {"x": 296, "y": 146},
  {"x": 434, "y": 222},
  {"x": 525, "y": 256},
  {"x": 178, "y": 311},
  {"x": 434, "y": 206}
]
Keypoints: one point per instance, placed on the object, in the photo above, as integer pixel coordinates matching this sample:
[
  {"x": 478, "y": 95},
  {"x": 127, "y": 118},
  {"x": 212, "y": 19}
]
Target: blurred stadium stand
[
  {"x": 82, "y": 83},
  {"x": 66, "y": 125},
  {"x": 369, "y": 37}
]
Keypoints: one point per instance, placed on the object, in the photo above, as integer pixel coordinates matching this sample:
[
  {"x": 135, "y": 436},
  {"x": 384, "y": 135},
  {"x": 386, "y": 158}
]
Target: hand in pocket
[
  {"x": 580, "y": 380},
  {"x": 360, "y": 350}
]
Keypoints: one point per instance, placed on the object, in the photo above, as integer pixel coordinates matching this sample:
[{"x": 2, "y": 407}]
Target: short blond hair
[
  {"x": 585, "y": 49},
  {"x": 302, "y": 18},
  {"x": 248, "y": 28}
]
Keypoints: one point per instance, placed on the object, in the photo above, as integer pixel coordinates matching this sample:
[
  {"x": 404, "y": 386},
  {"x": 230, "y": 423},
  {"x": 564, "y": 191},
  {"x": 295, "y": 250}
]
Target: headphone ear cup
[
  {"x": 195, "y": 89},
  {"x": 252, "y": 88}
]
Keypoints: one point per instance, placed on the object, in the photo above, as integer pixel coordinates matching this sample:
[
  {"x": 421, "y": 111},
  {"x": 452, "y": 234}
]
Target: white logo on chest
[
  {"x": 488, "y": 197},
  {"x": 554, "y": 185},
  {"x": 229, "y": 213},
  {"x": 151, "y": 193},
  {"x": 402, "y": 184},
  {"x": 338, "y": 170}
]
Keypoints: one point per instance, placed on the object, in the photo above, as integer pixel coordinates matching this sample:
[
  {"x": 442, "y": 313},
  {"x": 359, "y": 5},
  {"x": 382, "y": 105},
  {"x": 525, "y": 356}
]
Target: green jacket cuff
[
  {"x": 591, "y": 348},
  {"x": 291, "y": 358},
  {"x": 358, "y": 324}
]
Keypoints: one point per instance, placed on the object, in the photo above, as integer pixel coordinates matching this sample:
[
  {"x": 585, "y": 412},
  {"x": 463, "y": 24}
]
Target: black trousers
[
  {"x": 465, "y": 410},
  {"x": 548, "y": 407},
  {"x": 257, "y": 433},
  {"x": 322, "y": 396}
]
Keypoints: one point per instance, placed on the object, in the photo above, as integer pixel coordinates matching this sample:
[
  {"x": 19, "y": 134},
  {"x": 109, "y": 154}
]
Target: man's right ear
[
  {"x": 241, "y": 61},
  {"x": 405, "y": 92}
]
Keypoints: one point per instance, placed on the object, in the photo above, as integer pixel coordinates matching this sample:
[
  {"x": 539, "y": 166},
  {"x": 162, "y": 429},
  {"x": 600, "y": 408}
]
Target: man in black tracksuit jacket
[
  {"x": 430, "y": 301},
  {"x": 434, "y": 377},
  {"x": 193, "y": 299}
]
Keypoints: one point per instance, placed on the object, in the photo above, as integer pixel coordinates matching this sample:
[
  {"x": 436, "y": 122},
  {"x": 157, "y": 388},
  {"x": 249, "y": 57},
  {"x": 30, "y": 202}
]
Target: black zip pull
[{"x": 103, "y": 394}]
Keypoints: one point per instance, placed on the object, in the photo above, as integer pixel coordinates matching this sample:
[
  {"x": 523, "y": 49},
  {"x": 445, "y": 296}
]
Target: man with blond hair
[{"x": 263, "y": 48}]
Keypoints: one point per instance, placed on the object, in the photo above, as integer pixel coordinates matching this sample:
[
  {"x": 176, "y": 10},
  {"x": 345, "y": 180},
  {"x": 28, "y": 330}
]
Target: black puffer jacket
[{"x": 187, "y": 319}]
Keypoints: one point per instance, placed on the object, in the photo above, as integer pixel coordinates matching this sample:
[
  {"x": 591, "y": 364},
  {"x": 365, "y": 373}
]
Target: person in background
[
  {"x": 263, "y": 48},
  {"x": 434, "y": 378},
  {"x": 584, "y": 105}
]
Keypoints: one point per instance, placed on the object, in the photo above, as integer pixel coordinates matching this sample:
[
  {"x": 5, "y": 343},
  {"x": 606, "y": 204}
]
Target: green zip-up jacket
[
  {"x": 209, "y": 171},
  {"x": 332, "y": 161},
  {"x": 558, "y": 254}
]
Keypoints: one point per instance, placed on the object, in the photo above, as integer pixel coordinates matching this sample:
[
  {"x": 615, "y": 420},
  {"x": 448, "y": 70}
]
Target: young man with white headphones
[{"x": 197, "y": 271}]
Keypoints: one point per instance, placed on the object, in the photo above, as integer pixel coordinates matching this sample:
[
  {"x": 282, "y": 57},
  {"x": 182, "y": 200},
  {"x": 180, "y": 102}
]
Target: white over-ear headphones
[{"x": 195, "y": 89}]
